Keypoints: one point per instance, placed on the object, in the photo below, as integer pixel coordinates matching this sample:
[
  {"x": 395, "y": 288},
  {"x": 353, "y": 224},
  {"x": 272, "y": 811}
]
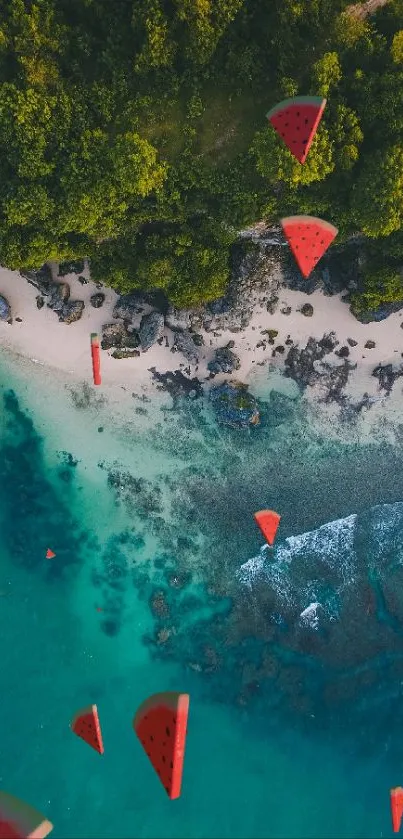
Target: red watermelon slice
[
  {"x": 268, "y": 521},
  {"x": 20, "y": 821},
  {"x": 396, "y": 806},
  {"x": 296, "y": 120},
  {"x": 308, "y": 238},
  {"x": 160, "y": 724},
  {"x": 86, "y": 725}
]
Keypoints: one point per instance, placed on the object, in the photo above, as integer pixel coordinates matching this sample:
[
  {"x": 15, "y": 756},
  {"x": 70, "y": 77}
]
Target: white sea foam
[
  {"x": 332, "y": 544},
  {"x": 310, "y": 616}
]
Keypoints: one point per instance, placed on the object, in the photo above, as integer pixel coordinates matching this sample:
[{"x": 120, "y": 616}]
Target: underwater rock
[
  {"x": 178, "y": 385},
  {"x": 159, "y": 605},
  {"x": 224, "y": 361},
  {"x": 5, "y": 308},
  {"x": 71, "y": 311},
  {"x": 151, "y": 328},
  {"x": 185, "y": 344},
  {"x": 387, "y": 376},
  {"x": 234, "y": 406}
]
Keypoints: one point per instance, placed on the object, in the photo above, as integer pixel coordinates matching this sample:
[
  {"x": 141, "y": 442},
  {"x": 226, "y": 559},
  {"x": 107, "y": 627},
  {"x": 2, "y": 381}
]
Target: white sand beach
[{"x": 41, "y": 338}]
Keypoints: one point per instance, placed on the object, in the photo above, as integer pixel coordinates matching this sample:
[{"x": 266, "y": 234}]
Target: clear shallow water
[{"x": 287, "y": 738}]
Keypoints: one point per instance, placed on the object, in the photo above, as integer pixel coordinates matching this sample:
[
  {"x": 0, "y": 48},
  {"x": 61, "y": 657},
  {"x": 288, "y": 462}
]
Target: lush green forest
[{"x": 134, "y": 132}]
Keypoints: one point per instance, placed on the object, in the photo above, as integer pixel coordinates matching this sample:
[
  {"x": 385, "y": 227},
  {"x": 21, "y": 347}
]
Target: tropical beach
[{"x": 151, "y": 586}]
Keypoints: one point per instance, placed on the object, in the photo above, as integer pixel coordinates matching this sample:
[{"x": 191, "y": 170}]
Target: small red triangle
[{"x": 49, "y": 554}]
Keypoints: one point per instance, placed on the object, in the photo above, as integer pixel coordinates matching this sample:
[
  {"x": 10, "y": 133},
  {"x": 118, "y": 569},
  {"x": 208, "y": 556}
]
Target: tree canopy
[{"x": 134, "y": 132}]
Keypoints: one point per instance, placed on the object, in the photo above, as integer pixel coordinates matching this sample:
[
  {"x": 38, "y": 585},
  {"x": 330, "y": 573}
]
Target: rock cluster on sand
[
  {"x": 185, "y": 344},
  {"x": 234, "y": 406},
  {"x": 224, "y": 361},
  {"x": 151, "y": 329}
]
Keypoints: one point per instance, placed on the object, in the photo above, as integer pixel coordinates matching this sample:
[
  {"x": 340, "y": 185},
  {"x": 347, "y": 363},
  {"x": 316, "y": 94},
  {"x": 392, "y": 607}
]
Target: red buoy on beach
[
  {"x": 268, "y": 521},
  {"x": 96, "y": 358},
  {"x": 396, "y": 806}
]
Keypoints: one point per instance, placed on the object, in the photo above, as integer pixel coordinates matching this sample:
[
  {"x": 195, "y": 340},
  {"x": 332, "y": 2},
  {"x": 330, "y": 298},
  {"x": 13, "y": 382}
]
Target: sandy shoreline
[{"x": 41, "y": 338}]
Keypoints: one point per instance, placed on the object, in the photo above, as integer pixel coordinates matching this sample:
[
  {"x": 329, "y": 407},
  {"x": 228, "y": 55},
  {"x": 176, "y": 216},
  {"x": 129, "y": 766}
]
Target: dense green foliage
[{"x": 134, "y": 132}]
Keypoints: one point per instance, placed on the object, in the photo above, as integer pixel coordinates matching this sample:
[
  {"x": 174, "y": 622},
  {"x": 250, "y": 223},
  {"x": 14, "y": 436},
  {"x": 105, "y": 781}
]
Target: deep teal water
[{"x": 288, "y": 736}]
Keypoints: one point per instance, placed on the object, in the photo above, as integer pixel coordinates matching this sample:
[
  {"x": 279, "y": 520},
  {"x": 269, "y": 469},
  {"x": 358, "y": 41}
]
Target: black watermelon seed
[
  {"x": 297, "y": 113},
  {"x": 171, "y": 765},
  {"x": 306, "y": 122},
  {"x": 168, "y": 732},
  {"x": 163, "y": 758},
  {"x": 151, "y": 738},
  {"x": 167, "y": 789}
]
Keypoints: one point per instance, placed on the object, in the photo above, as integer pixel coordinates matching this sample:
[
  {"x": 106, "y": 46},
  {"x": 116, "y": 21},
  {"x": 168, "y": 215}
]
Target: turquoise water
[{"x": 290, "y": 734}]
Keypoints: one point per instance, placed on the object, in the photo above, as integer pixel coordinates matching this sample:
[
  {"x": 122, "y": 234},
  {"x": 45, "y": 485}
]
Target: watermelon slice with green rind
[
  {"x": 87, "y": 726},
  {"x": 296, "y": 121},
  {"x": 19, "y": 820},
  {"x": 308, "y": 238},
  {"x": 161, "y": 725}
]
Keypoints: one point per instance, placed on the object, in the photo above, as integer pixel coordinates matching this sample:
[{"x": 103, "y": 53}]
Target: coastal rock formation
[
  {"x": 234, "y": 406},
  {"x": 184, "y": 343},
  {"x": 72, "y": 311},
  {"x": 5, "y": 308},
  {"x": 151, "y": 329},
  {"x": 59, "y": 294},
  {"x": 177, "y": 385},
  {"x": 128, "y": 306},
  {"x": 117, "y": 335},
  {"x": 224, "y": 361},
  {"x": 387, "y": 376},
  {"x": 300, "y": 363},
  {"x": 178, "y": 319},
  {"x": 97, "y": 300}
]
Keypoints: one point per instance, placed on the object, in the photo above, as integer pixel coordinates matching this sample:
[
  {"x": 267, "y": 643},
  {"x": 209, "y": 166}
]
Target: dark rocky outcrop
[
  {"x": 184, "y": 343},
  {"x": 224, "y": 361},
  {"x": 125, "y": 353},
  {"x": 5, "y": 308},
  {"x": 97, "y": 300},
  {"x": 71, "y": 311},
  {"x": 117, "y": 335},
  {"x": 178, "y": 385},
  {"x": 178, "y": 319},
  {"x": 151, "y": 328},
  {"x": 59, "y": 294},
  {"x": 387, "y": 376},
  {"x": 234, "y": 406},
  {"x": 307, "y": 310},
  {"x": 300, "y": 363},
  {"x": 129, "y": 305}
]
